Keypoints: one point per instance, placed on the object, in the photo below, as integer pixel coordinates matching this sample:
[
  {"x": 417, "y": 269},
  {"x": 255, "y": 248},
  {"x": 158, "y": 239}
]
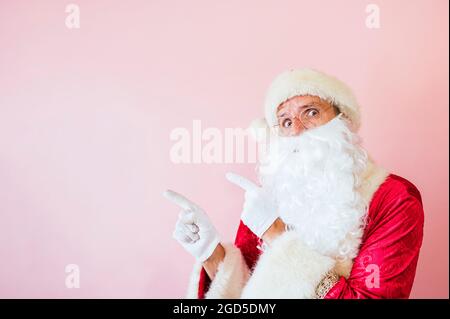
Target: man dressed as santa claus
[{"x": 324, "y": 221}]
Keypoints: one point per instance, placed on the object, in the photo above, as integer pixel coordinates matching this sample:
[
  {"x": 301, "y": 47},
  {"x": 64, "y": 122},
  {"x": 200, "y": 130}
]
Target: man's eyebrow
[
  {"x": 312, "y": 103},
  {"x": 306, "y": 105}
]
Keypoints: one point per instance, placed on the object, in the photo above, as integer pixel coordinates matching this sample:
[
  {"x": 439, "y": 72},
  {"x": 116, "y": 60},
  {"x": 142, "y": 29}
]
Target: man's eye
[
  {"x": 311, "y": 113},
  {"x": 286, "y": 123}
]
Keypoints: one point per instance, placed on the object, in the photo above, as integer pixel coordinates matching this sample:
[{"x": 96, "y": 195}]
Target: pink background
[{"x": 85, "y": 117}]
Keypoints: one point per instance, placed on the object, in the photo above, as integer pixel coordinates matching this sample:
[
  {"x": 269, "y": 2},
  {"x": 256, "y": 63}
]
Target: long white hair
[{"x": 315, "y": 178}]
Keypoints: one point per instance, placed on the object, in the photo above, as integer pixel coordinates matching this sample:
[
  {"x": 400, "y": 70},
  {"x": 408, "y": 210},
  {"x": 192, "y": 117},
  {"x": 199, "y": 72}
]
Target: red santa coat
[{"x": 384, "y": 267}]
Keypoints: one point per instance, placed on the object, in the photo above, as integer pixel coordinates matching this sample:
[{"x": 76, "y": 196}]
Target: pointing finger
[
  {"x": 242, "y": 182},
  {"x": 179, "y": 200}
]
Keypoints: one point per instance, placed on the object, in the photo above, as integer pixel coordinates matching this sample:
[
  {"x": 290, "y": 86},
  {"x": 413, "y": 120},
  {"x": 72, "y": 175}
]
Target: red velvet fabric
[{"x": 386, "y": 264}]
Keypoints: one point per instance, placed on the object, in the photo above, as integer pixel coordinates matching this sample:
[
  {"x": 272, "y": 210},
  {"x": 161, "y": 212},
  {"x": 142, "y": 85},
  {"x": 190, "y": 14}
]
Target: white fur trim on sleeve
[
  {"x": 287, "y": 269},
  {"x": 194, "y": 280},
  {"x": 231, "y": 277}
]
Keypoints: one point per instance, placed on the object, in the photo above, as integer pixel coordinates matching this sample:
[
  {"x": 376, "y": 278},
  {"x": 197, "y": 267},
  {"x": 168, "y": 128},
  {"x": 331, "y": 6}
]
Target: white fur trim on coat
[
  {"x": 372, "y": 178},
  {"x": 287, "y": 269},
  {"x": 232, "y": 275}
]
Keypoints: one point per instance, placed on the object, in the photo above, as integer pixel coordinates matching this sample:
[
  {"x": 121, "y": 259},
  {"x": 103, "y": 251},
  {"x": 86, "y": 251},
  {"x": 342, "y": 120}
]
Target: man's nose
[{"x": 297, "y": 127}]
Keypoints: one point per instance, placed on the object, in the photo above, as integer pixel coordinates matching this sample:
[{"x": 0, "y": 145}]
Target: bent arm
[
  {"x": 244, "y": 254},
  {"x": 230, "y": 276}
]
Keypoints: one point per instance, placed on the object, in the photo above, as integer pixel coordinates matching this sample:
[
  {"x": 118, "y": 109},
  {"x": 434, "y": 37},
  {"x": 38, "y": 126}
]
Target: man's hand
[
  {"x": 193, "y": 230},
  {"x": 260, "y": 209}
]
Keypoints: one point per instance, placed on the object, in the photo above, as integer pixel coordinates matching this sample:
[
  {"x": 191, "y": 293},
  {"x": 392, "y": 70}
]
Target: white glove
[
  {"x": 193, "y": 230},
  {"x": 260, "y": 209}
]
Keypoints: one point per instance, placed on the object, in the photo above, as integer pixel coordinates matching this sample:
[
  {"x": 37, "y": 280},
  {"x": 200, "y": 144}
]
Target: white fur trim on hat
[
  {"x": 311, "y": 82},
  {"x": 259, "y": 130}
]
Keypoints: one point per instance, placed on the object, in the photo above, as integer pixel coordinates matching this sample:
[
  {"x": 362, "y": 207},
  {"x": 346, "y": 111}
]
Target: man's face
[{"x": 303, "y": 112}]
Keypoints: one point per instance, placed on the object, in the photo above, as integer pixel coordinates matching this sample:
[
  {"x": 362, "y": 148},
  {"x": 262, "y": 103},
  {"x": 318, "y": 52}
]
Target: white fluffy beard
[{"x": 315, "y": 179}]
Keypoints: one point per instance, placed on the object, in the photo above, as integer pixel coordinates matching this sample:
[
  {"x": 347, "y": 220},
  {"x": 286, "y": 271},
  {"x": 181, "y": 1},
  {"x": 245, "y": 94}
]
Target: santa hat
[{"x": 306, "y": 82}]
